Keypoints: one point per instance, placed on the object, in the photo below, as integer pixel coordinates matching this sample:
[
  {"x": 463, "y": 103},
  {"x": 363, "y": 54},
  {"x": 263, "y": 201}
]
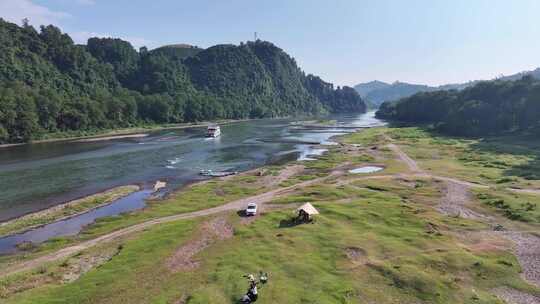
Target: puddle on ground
[{"x": 366, "y": 169}]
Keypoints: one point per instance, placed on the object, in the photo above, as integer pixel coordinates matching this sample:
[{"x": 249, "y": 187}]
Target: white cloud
[
  {"x": 16, "y": 10},
  {"x": 82, "y": 38}
]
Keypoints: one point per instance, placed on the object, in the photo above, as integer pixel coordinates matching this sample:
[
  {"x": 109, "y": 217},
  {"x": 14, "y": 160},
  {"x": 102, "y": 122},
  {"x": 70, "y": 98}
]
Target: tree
[{"x": 489, "y": 107}]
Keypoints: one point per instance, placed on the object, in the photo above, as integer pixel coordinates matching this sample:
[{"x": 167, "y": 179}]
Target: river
[{"x": 37, "y": 176}]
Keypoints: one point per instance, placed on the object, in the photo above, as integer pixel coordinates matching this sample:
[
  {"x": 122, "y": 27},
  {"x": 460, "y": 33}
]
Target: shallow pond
[{"x": 366, "y": 169}]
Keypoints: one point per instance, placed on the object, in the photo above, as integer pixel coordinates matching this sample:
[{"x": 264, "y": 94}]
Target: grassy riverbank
[
  {"x": 502, "y": 161},
  {"x": 380, "y": 237},
  {"x": 66, "y": 210}
]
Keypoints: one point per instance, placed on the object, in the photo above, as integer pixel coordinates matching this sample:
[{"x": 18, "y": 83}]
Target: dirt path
[
  {"x": 525, "y": 191},
  {"x": 413, "y": 166},
  {"x": 209, "y": 233},
  {"x": 527, "y": 246},
  {"x": 234, "y": 205},
  {"x": 457, "y": 195},
  {"x": 456, "y": 192},
  {"x": 513, "y": 296},
  {"x": 527, "y": 250},
  {"x": 285, "y": 174}
]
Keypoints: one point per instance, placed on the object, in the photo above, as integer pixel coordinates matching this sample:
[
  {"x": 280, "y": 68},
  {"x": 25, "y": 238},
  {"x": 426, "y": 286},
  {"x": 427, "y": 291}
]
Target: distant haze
[{"x": 376, "y": 92}]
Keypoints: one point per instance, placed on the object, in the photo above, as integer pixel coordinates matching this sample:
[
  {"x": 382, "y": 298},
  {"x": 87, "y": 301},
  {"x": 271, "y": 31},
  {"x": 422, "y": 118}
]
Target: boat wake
[{"x": 174, "y": 161}]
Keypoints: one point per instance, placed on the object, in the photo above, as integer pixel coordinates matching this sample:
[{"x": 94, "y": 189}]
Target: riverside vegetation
[
  {"x": 381, "y": 237},
  {"x": 63, "y": 211},
  {"x": 487, "y": 108},
  {"x": 51, "y": 87}
]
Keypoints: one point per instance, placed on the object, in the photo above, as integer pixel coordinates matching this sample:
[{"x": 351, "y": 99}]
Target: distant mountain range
[{"x": 376, "y": 92}]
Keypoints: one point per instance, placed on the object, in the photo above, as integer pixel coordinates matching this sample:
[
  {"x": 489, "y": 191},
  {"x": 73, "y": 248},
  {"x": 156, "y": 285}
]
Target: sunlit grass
[{"x": 396, "y": 258}]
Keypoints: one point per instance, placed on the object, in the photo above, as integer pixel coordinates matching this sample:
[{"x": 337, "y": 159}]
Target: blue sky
[{"x": 343, "y": 41}]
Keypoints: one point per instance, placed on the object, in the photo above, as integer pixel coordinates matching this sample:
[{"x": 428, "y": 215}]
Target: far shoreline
[{"x": 135, "y": 132}]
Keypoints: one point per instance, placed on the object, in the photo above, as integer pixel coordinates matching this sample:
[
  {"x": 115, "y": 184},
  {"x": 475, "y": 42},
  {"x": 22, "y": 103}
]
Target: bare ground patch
[
  {"x": 283, "y": 175},
  {"x": 356, "y": 255},
  {"x": 10, "y": 288},
  {"x": 77, "y": 266},
  {"x": 453, "y": 203},
  {"x": 484, "y": 241},
  {"x": 513, "y": 296},
  {"x": 413, "y": 166},
  {"x": 527, "y": 250},
  {"x": 209, "y": 233},
  {"x": 66, "y": 272}
]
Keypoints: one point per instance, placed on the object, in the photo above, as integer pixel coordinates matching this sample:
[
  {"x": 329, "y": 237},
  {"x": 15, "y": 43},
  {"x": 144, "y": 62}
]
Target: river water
[{"x": 34, "y": 177}]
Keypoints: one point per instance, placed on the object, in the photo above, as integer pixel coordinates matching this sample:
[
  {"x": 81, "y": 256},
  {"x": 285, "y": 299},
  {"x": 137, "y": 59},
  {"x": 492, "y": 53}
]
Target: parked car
[{"x": 251, "y": 209}]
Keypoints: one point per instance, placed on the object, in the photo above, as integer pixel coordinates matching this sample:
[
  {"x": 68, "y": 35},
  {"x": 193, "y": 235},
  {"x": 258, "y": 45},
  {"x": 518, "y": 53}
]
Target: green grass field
[
  {"x": 515, "y": 206},
  {"x": 376, "y": 247},
  {"x": 506, "y": 161},
  {"x": 375, "y": 241}
]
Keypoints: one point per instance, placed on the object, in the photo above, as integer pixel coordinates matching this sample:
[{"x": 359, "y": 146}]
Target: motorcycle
[{"x": 252, "y": 293}]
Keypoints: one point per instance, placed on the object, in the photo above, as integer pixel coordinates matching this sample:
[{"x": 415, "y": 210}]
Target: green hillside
[
  {"x": 50, "y": 86},
  {"x": 487, "y": 108}
]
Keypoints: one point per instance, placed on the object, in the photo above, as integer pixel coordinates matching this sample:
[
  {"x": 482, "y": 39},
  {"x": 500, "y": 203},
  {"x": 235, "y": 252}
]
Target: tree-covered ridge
[
  {"x": 48, "y": 84},
  {"x": 338, "y": 99},
  {"x": 378, "y": 92},
  {"x": 489, "y": 107}
]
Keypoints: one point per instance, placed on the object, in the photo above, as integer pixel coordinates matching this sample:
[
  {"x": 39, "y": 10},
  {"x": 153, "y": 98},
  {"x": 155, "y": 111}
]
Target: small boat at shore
[
  {"x": 159, "y": 185},
  {"x": 213, "y": 131},
  {"x": 217, "y": 174}
]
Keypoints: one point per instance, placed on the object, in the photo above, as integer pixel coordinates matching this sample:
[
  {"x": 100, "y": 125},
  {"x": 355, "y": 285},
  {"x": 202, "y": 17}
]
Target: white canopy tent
[{"x": 308, "y": 209}]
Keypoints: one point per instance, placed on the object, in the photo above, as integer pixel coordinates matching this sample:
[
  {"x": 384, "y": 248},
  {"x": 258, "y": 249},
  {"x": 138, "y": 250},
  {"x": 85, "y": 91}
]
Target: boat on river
[
  {"x": 217, "y": 174},
  {"x": 213, "y": 131}
]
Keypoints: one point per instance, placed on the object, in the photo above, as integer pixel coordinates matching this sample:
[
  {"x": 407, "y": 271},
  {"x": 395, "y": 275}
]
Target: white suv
[{"x": 251, "y": 209}]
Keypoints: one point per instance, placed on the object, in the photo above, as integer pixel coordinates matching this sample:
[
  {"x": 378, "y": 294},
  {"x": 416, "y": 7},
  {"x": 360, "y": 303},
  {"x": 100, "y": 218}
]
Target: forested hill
[
  {"x": 50, "y": 85},
  {"x": 487, "y": 108},
  {"x": 378, "y": 92}
]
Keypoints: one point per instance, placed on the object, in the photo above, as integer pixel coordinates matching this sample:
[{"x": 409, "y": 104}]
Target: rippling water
[{"x": 34, "y": 177}]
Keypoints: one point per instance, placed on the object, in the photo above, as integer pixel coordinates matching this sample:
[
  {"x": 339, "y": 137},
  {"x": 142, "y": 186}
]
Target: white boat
[
  {"x": 213, "y": 131},
  {"x": 217, "y": 174}
]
